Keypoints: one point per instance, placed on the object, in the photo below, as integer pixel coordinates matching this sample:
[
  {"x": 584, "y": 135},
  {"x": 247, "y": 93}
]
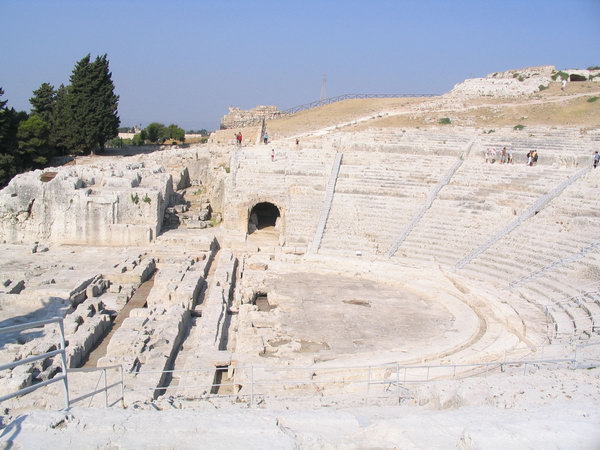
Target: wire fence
[{"x": 256, "y": 383}]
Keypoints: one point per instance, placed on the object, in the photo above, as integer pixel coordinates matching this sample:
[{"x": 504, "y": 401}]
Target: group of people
[
  {"x": 532, "y": 157},
  {"x": 265, "y": 139},
  {"x": 239, "y": 138},
  {"x": 504, "y": 156}
]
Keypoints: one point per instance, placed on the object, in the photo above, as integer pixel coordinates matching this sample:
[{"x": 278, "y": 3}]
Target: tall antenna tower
[{"x": 324, "y": 87}]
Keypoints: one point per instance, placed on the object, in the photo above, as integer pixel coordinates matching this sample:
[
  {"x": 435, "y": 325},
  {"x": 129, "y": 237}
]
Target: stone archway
[{"x": 264, "y": 216}]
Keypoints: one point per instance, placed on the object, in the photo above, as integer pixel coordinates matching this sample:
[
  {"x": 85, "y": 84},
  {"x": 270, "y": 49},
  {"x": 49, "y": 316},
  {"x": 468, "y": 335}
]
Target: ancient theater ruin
[{"x": 377, "y": 256}]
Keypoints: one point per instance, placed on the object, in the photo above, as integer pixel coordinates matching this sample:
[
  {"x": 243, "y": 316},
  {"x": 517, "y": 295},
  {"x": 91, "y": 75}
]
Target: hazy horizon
[{"x": 185, "y": 62}]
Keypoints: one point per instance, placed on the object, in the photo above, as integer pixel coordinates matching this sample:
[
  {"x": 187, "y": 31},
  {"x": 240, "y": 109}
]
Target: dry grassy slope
[
  {"x": 336, "y": 113},
  {"x": 550, "y": 107}
]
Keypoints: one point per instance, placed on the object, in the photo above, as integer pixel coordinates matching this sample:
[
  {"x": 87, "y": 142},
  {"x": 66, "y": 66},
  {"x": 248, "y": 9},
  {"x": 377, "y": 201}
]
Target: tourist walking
[
  {"x": 509, "y": 156},
  {"x": 238, "y": 138},
  {"x": 503, "y": 156},
  {"x": 272, "y": 154},
  {"x": 596, "y": 159},
  {"x": 529, "y": 157},
  {"x": 534, "y": 157},
  {"x": 266, "y": 138}
]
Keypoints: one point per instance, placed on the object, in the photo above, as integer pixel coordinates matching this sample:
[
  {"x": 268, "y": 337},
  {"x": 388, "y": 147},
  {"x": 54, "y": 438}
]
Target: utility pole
[{"x": 324, "y": 87}]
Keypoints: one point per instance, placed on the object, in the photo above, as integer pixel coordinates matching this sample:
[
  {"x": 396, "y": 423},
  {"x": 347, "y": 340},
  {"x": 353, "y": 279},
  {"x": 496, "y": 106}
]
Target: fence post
[
  {"x": 122, "y": 388},
  {"x": 251, "y": 386},
  {"x": 63, "y": 359},
  {"x": 105, "y": 389},
  {"x": 398, "y": 380}
]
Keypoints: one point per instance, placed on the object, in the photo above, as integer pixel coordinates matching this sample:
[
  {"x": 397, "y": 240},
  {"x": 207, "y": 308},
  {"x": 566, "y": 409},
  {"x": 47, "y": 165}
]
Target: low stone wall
[{"x": 237, "y": 117}]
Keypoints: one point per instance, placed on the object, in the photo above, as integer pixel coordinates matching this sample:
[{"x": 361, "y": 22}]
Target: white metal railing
[
  {"x": 60, "y": 351},
  {"x": 584, "y": 291},
  {"x": 327, "y": 203},
  {"x": 64, "y": 377},
  {"x": 260, "y": 381},
  {"x": 408, "y": 228},
  {"x": 537, "y": 206},
  {"x": 252, "y": 381},
  {"x": 107, "y": 387},
  {"x": 555, "y": 265}
]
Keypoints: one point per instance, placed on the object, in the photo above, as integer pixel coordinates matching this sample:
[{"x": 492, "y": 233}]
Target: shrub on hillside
[
  {"x": 445, "y": 121},
  {"x": 561, "y": 74},
  {"x": 518, "y": 127}
]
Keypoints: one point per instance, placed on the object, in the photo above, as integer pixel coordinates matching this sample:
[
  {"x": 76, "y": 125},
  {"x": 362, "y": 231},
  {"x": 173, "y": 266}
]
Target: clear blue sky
[{"x": 187, "y": 61}]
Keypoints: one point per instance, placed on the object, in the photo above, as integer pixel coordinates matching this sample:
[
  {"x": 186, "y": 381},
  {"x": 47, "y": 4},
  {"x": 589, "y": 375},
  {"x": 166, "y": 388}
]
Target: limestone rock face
[
  {"x": 240, "y": 118},
  {"x": 117, "y": 204},
  {"x": 516, "y": 82},
  {"x": 513, "y": 83}
]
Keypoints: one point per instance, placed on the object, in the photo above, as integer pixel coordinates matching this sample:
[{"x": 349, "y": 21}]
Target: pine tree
[
  {"x": 9, "y": 123},
  {"x": 60, "y": 122},
  {"x": 92, "y": 105},
  {"x": 43, "y": 101},
  {"x": 34, "y": 148},
  {"x": 106, "y": 101},
  {"x": 80, "y": 122}
]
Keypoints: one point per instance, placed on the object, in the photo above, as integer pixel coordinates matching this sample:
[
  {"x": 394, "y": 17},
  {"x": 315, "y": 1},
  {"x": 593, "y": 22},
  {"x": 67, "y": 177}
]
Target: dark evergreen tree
[
  {"x": 10, "y": 164},
  {"x": 33, "y": 137},
  {"x": 43, "y": 101},
  {"x": 107, "y": 102},
  {"x": 80, "y": 127},
  {"x": 60, "y": 122},
  {"x": 92, "y": 105}
]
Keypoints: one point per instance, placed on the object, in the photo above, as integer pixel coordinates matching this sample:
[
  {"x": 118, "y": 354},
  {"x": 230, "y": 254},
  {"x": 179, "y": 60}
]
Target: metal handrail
[
  {"x": 536, "y": 207},
  {"x": 371, "y": 379},
  {"x": 106, "y": 387},
  {"x": 65, "y": 370},
  {"x": 60, "y": 351}
]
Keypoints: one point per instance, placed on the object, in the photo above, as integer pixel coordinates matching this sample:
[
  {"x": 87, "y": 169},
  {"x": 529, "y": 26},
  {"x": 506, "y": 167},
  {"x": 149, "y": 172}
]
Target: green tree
[
  {"x": 34, "y": 147},
  {"x": 107, "y": 102},
  {"x": 137, "y": 139},
  {"x": 9, "y": 124},
  {"x": 155, "y": 132},
  {"x": 60, "y": 122},
  {"x": 175, "y": 132},
  {"x": 92, "y": 104},
  {"x": 43, "y": 101}
]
